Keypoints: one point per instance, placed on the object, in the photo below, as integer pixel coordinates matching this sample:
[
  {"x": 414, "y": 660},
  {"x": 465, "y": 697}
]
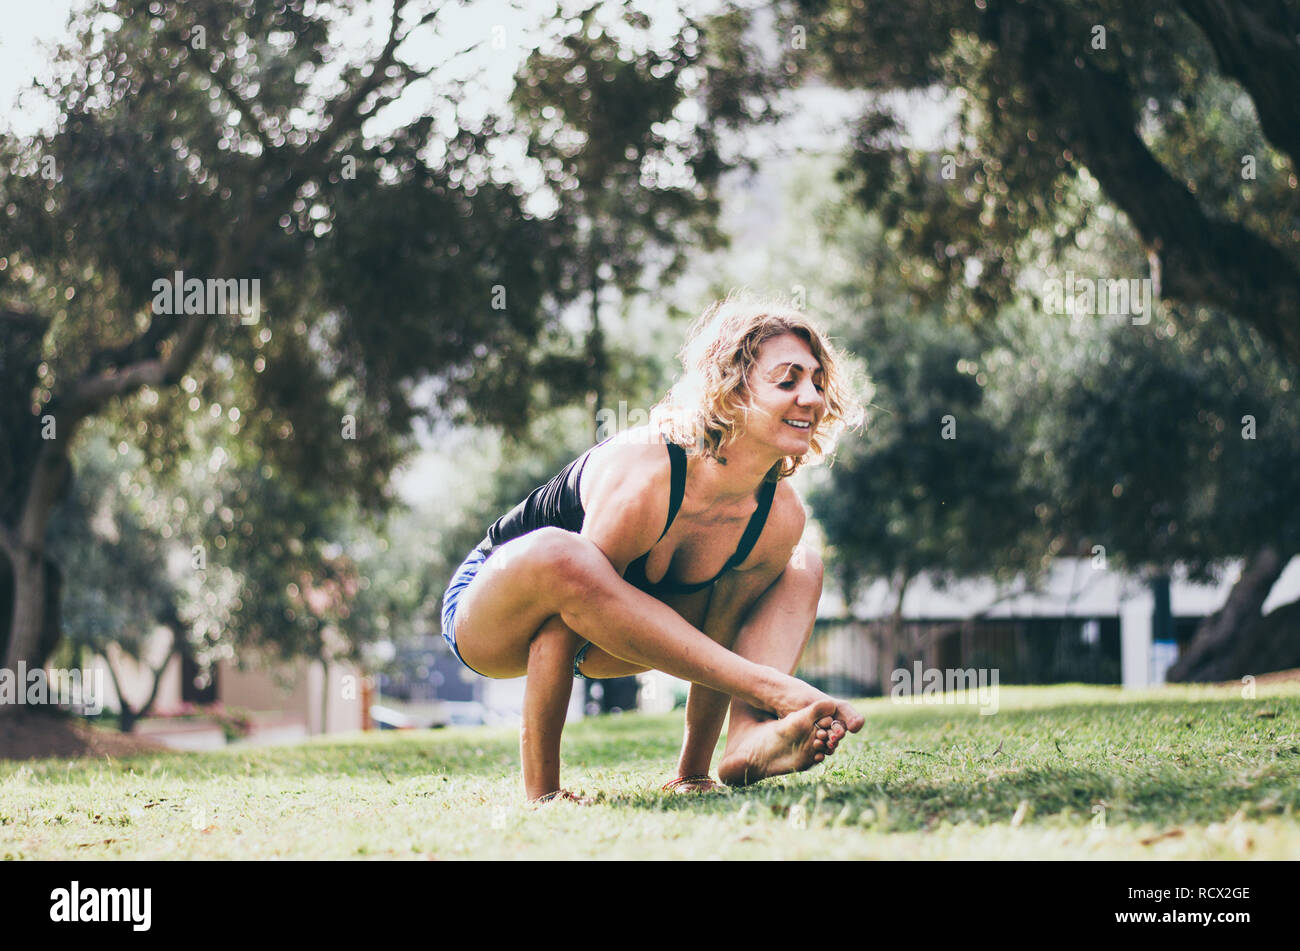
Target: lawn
[{"x": 1057, "y": 772}]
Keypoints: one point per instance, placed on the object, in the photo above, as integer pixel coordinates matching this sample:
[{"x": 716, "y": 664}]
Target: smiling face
[
  {"x": 785, "y": 395},
  {"x": 757, "y": 372}
]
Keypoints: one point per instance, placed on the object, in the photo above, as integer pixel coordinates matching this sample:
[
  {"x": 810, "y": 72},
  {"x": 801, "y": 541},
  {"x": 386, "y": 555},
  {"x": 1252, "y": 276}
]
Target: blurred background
[{"x": 1061, "y": 240}]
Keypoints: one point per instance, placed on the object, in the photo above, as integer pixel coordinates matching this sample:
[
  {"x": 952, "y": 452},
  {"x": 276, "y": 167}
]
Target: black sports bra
[
  {"x": 635, "y": 574},
  {"x": 559, "y": 503}
]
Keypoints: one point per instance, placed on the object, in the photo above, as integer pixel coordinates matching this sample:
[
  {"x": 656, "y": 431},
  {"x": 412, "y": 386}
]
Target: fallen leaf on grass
[
  {"x": 1265, "y": 714},
  {"x": 1171, "y": 834}
]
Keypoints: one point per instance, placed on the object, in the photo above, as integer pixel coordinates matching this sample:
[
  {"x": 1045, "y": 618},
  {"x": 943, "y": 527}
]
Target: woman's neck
[{"x": 739, "y": 478}]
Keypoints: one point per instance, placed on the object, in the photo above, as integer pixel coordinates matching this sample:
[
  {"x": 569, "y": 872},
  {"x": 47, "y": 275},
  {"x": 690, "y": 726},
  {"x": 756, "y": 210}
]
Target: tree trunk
[
  {"x": 126, "y": 716},
  {"x": 130, "y": 717},
  {"x": 36, "y": 470},
  {"x": 30, "y": 638},
  {"x": 1269, "y": 643},
  {"x": 1224, "y": 647},
  {"x": 28, "y": 613}
]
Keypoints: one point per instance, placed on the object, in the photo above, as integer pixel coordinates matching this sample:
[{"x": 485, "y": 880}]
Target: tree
[
  {"x": 196, "y": 138},
  {"x": 1178, "y": 116},
  {"x": 616, "y": 126},
  {"x": 213, "y": 548},
  {"x": 1169, "y": 445},
  {"x": 934, "y": 484},
  {"x": 1184, "y": 113},
  {"x": 120, "y": 590}
]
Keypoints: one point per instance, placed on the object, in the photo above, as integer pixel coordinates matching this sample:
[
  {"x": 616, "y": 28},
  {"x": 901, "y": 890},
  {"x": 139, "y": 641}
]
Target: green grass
[{"x": 1179, "y": 772}]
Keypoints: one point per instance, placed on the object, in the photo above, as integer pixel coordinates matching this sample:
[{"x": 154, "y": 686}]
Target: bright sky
[
  {"x": 504, "y": 29},
  {"x": 26, "y": 30}
]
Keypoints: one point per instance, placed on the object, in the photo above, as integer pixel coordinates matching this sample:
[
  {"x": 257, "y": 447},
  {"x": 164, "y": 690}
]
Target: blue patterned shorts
[{"x": 459, "y": 582}]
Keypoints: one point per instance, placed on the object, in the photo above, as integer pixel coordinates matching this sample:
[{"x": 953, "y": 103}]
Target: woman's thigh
[
  {"x": 511, "y": 597},
  {"x": 599, "y": 664}
]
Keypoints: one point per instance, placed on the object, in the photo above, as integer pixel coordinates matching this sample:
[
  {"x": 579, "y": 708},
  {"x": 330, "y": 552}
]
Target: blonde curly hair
[{"x": 707, "y": 407}]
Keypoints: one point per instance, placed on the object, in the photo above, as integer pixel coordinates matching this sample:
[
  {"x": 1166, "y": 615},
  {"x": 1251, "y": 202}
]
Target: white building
[{"x": 1073, "y": 590}]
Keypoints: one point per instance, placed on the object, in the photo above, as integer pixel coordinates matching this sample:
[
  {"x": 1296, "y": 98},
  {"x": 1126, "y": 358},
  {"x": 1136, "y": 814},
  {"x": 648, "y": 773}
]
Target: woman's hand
[{"x": 790, "y": 694}]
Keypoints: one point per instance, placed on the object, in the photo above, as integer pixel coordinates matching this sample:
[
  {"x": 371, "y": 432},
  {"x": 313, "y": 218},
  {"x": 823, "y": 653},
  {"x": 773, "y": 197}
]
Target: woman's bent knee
[{"x": 567, "y": 565}]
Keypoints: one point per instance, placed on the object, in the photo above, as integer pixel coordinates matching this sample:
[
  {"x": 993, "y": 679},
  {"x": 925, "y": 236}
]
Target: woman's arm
[{"x": 626, "y": 508}]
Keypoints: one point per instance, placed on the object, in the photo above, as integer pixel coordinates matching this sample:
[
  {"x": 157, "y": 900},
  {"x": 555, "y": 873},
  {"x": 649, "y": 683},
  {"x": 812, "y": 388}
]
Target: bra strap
[
  {"x": 677, "y": 456},
  {"x": 753, "y": 529}
]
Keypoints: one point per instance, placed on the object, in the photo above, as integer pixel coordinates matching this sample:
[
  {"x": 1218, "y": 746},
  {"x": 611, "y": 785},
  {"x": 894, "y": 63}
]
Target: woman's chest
[{"x": 696, "y": 548}]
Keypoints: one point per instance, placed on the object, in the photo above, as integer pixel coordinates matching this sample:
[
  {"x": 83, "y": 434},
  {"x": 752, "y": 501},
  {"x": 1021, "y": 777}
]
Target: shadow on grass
[
  {"x": 1078, "y": 795},
  {"x": 1166, "y": 762}
]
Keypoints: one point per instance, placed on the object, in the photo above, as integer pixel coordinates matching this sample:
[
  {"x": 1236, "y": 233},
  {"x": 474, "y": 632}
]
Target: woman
[{"x": 561, "y": 586}]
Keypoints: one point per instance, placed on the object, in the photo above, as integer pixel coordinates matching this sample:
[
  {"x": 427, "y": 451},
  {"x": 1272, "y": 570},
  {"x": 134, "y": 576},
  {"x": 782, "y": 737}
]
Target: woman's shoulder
[
  {"x": 625, "y": 487},
  {"x": 635, "y": 461},
  {"x": 784, "y": 527}
]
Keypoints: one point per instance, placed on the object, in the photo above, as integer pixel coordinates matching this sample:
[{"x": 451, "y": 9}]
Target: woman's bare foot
[
  {"x": 562, "y": 795},
  {"x": 692, "y": 784},
  {"x": 795, "y": 696},
  {"x": 788, "y": 745},
  {"x": 830, "y": 731}
]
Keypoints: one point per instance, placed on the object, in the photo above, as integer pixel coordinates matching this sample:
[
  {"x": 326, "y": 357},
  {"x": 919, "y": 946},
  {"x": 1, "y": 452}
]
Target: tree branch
[
  {"x": 24, "y": 319},
  {"x": 1204, "y": 260},
  {"x": 1257, "y": 44},
  {"x": 49, "y": 472},
  {"x": 126, "y": 713},
  {"x": 247, "y": 110},
  {"x": 343, "y": 116},
  {"x": 92, "y": 392},
  {"x": 157, "y": 675},
  {"x": 143, "y": 347}
]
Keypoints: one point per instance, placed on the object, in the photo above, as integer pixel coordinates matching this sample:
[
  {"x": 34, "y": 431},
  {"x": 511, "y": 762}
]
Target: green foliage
[
  {"x": 401, "y": 277},
  {"x": 1167, "y": 444},
  {"x": 934, "y": 484},
  {"x": 1043, "y": 102},
  {"x": 120, "y": 586},
  {"x": 614, "y": 124},
  {"x": 611, "y": 122},
  {"x": 1121, "y": 156}
]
